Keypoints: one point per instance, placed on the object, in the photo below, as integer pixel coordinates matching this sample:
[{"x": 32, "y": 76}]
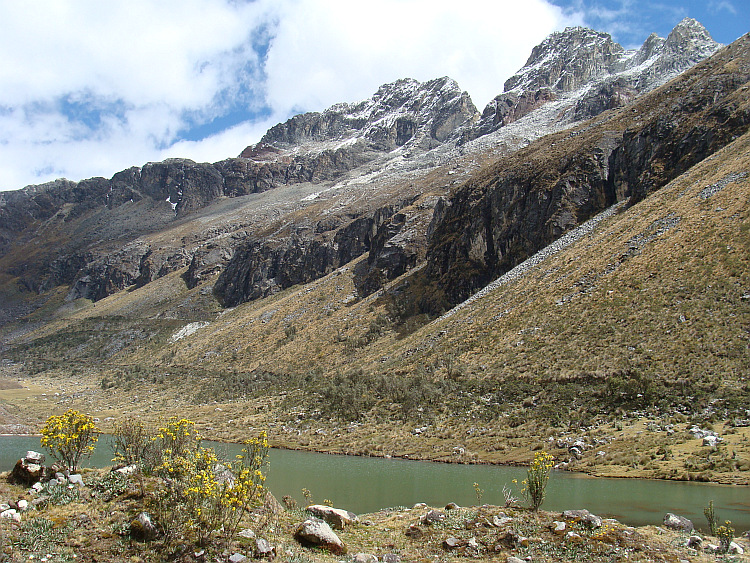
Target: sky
[{"x": 88, "y": 88}]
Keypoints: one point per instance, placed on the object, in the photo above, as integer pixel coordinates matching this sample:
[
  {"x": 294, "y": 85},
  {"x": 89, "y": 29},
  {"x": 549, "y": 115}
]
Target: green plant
[
  {"x": 40, "y": 536},
  {"x": 479, "y": 492},
  {"x": 58, "y": 494},
  {"x": 725, "y": 534},
  {"x": 69, "y": 437},
  {"x": 199, "y": 495},
  {"x": 131, "y": 443},
  {"x": 710, "y": 515},
  {"x": 537, "y": 476},
  {"x": 308, "y": 496},
  {"x": 109, "y": 486}
]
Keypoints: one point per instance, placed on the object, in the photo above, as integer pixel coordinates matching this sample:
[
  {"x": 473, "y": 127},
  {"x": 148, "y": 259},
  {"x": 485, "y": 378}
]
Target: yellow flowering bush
[
  {"x": 69, "y": 437},
  {"x": 200, "y": 494},
  {"x": 537, "y": 476}
]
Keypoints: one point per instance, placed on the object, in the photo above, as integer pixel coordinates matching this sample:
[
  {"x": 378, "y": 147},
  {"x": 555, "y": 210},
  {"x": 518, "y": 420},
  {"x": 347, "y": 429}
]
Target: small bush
[
  {"x": 131, "y": 443},
  {"x": 537, "y": 476},
  {"x": 69, "y": 437}
]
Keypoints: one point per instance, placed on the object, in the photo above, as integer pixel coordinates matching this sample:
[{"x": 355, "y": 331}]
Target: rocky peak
[
  {"x": 398, "y": 113},
  {"x": 593, "y": 73},
  {"x": 566, "y": 60}
]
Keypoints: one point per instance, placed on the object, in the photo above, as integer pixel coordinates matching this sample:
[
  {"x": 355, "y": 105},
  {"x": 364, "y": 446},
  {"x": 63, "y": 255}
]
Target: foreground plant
[
  {"x": 711, "y": 517},
  {"x": 200, "y": 495},
  {"x": 69, "y": 437},
  {"x": 537, "y": 476}
]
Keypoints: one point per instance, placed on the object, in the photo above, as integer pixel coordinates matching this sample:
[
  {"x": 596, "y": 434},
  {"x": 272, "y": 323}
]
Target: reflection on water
[{"x": 363, "y": 484}]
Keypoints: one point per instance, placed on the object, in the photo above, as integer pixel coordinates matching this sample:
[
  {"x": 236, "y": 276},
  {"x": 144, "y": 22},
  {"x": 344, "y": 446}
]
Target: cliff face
[
  {"x": 527, "y": 201},
  {"x": 324, "y": 188}
]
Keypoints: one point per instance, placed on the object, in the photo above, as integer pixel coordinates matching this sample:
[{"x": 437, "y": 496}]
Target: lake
[{"x": 366, "y": 484}]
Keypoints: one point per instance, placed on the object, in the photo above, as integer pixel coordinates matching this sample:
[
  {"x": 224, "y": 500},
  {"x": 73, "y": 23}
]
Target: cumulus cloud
[{"x": 88, "y": 87}]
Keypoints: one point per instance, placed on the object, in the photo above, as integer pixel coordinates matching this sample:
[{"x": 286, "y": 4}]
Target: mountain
[{"x": 532, "y": 270}]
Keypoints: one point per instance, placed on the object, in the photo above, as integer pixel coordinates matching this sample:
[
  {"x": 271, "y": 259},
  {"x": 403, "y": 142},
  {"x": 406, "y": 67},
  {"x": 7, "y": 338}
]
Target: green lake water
[{"x": 366, "y": 484}]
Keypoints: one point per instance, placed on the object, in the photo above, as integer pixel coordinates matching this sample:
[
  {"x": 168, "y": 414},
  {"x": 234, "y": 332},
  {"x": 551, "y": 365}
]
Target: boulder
[
  {"x": 26, "y": 473},
  {"x": 432, "y": 517},
  {"x": 336, "y": 517},
  {"x": 34, "y": 457},
  {"x": 678, "y": 523},
  {"x": 263, "y": 548},
  {"x": 695, "y": 542},
  {"x": 583, "y": 516},
  {"x": 142, "y": 528},
  {"x": 76, "y": 479},
  {"x": 315, "y": 532},
  {"x": 452, "y": 543}
]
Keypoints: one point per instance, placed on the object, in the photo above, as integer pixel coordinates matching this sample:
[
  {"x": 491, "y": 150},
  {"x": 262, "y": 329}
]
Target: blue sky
[{"x": 88, "y": 88}]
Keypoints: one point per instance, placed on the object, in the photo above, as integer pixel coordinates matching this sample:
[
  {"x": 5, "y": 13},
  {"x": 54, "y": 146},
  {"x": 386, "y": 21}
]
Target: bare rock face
[
  {"x": 492, "y": 224},
  {"x": 400, "y": 113},
  {"x": 594, "y": 73}
]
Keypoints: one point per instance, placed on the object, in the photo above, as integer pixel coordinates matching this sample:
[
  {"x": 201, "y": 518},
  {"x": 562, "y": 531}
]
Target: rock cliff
[{"x": 527, "y": 201}]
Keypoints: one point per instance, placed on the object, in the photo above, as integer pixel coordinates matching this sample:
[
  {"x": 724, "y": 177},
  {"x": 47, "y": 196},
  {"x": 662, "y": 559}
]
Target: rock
[
  {"x": 558, "y": 528},
  {"x": 514, "y": 559},
  {"x": 336, "y": 517},
  {"x": 432, "y": 517},
  {"x": 237, "y": 558},
  {"x": 315, "y": 532},
  {"x": 452, "y": 543},
  {"x": 127, "y": 470},
  {"x": 365, "y": 558},
  {"x": 263, "y": 548},
  {"x": 142, "y": 528},
  {"x": 573, "y": 537},
  {"x": 735, "y": 549},
  {"x": 76, "y": 479},
  {"x": 246, "y": 533},
  {"x": 583, "y": 516},
  {"x": 678, "y": 523},
  {"x": 419, "y": 505},
  {"x": 451, "y": 506},
  {"x": 500, "y": 520},
  {"x": 391, "y": 558},
  {"x": 26, "y": 473},
  {"x": 711, "y": 441},
  {"x": 34, "y": 457},
  {"x": 22, "y": 505},
  {"x": 473, "y": 544},
  {"x": 11, "y": 514},
  {"x": 36, "y": 487},
  {"x": 695, "y": 542}
]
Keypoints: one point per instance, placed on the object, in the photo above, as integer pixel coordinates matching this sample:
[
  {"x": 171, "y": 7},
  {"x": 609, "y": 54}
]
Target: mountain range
[{"x": 576, "y": 251}]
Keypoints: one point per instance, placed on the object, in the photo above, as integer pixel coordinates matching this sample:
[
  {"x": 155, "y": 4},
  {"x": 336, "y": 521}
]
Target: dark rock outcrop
[{"x": 497, "y": 220}]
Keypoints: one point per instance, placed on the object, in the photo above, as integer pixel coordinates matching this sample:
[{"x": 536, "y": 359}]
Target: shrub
[
  {"x": 710, "y": 515},
  {"x": 537, "y": 476},
  {"x": 69, "y": 437},
  {"x": 131, "y": 444},
  {"x": 199, "y": 494},
  {"x": 725, "y": 534}
]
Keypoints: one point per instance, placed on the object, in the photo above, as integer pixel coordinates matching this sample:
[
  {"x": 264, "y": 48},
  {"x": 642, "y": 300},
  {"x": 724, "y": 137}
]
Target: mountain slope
[{"x": 335, "y": 279}]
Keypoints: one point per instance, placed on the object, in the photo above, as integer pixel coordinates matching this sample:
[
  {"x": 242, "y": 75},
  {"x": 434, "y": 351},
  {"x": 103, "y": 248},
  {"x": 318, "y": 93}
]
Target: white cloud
[{"x": 89, "y": 87}]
